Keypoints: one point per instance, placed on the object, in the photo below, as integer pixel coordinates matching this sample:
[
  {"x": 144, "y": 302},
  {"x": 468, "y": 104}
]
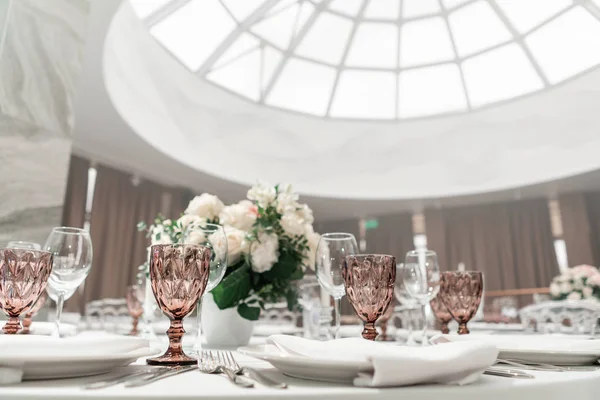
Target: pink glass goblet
[
  {"x": 461, "y": 294},
  {"x": 134, "y": 297},
  {"x": 178, "y": 275},
  {"x": 23, "y": 277},
  {"x": 441, "y": 313},
  {"x": 33, "y": 311},
  {"x": 369, "y": 280}
]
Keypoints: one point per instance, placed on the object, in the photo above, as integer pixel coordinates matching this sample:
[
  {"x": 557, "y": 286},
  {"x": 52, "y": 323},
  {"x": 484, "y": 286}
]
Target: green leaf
[
  {"x": 297, "y": 275},
  {"x": 284, "y": 268},
  {"x": 141, "y": 226},
  {"x": 234, "y": 288},
  {"x": 247, "y": 312},
  {"x": 292, "y": 298}
]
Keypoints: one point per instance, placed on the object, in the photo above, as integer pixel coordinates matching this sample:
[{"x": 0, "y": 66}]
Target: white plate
[
  {"x": 72, "y": 365},
  {"x": 308, "y": 368},
  {"x": 556, "y": 350}
]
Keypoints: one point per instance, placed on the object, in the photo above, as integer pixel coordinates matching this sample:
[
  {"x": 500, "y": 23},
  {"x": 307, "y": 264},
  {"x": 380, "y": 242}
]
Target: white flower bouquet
[
  {"x": 270, "y": 243},
  {"x": 577, "y": 283}
]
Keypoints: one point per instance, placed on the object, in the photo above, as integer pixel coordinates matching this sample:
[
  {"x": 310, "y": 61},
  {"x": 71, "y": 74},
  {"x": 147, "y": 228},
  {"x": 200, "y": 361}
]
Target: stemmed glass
[
  {"x": 369, "y": 280},
  {"x": 331, "y": 252},
  {"x": 422, "y": 280},
  {"x": 214, "y": 237},
  {"x": 135, "y": 299},
  {"x": 23, "y": 277},
  {"x": 461, "y": 292},
  {"x": 178, "y": 275},
  {"x": 406, "y": 300},
  {"x": 72, "y": 250}
]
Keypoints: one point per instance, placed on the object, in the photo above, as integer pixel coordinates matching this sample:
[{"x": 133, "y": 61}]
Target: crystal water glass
[
  {"x": 73, "y": 253},
  {"x": 214, "y": 237},
  {"x": 421, "y": 275},
  {"x": 331, "y": 252}
]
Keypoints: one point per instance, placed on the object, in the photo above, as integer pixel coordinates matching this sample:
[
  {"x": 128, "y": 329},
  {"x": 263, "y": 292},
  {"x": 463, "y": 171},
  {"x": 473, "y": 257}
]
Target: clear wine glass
[
  {"x": 20, "y": 244},
  {"x": 422, "y": 280},
  {"x": 406, "y": 300},
  {"x": 214, "y": 237},
  {"x": 331, "y": 252},
  {"x": 72, "y": 249}
]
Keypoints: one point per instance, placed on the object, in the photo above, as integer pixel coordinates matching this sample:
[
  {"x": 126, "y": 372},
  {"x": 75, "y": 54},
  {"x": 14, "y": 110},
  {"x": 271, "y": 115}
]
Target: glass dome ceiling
[{"x": 379, "y": 59}]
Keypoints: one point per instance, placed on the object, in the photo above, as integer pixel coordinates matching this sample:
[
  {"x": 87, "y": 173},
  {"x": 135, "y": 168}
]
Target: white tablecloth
[{"x": 195, "y": 385}]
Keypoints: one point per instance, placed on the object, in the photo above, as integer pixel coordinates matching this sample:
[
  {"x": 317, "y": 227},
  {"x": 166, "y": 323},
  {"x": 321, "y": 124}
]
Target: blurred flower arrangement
[
  {"x": 270, "y": 243},
  {"x": 577, "y": 283}
]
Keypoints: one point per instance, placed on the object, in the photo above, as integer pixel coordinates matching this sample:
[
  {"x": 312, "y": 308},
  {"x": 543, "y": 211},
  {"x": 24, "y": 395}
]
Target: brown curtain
[
  {"x": 580, "y": 214},
  {"x": 394, "y": 236},
  {"x": 180, "y": 198},
  {"x": 76, "y": 193},
  {"x": 510, "y": 242},
  {"x": 114, "y": 215}
]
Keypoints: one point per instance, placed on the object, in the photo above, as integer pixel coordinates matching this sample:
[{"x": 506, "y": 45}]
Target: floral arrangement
[
  {"x": 270, "y": 243},
  {"x": 580, "y": 282}
]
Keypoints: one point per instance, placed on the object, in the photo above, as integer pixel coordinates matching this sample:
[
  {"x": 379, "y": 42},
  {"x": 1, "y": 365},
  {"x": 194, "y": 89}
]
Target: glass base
[{"x": 172, "y": 359}]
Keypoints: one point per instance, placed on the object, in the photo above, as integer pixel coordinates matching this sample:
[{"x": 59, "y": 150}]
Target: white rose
[
  {"x": 292, "y": 224},
  {"x": 574, "y": 296},
  {"x": 578, "y": 283},
  {"x": 195, "y": 236},
  {"x": 307, "y": 214},
  {"x": 159, "y": 236},
  {"x": 188, "y": 219},
  {"x": 588, "y": 292},
  {"x": 313, "y": 241},
  {"x": 263, "y": 193},
  {"x": 554, "y": 289},
  {"x": 233, "y": 242},
  {"x": 264, "y": 252},
  {"x": 206, "y": 206},
  {"x": 241, "y": 215},
  {"x": 287, "y": 200},
  {"x": 565, "y": 287}
]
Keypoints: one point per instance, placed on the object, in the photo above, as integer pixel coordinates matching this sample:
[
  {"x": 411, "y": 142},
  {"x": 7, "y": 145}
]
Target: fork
[
  {"x": 210, "y": 364},
  {"x": 254, "y": 374},
  {"x": 544, "y": 367}
]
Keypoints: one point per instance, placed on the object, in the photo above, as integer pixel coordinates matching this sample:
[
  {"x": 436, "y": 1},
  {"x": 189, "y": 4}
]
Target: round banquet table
[{"x": 195, "y": 385}]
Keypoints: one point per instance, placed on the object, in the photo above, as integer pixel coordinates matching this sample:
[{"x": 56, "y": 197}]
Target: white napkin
[
  {"x": 16, "y": 349},
  {"x": 450, "y": 363}
]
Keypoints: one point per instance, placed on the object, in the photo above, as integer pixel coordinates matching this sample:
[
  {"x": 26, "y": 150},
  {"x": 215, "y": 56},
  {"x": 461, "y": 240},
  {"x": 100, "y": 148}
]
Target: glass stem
[
  {"x": 60, "y": 302},
  {"x": 198, "y": 342},
  {"x": 336, "y": 308},
  {"x": 424, "y": 341}
]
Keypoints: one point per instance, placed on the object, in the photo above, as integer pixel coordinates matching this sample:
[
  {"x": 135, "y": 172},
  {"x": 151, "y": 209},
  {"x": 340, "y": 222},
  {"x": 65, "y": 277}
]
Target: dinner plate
[
  {"x": 71, "y": 366},
  {"x": 341, "y": 371},
  {"x": 495, "y": 326},
  {"x": 556, "y": 350}
]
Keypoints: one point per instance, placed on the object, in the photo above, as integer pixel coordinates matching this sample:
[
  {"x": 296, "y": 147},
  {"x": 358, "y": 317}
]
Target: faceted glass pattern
[
  {"x": 461, "y": 293},
  {"x": 23, "y": 277},
  {"x": 369, "y": 281}
]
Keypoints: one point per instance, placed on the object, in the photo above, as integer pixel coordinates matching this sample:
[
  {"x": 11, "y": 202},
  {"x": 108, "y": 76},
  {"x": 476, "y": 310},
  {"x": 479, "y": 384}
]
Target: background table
[{"x": 195, "y": 385}]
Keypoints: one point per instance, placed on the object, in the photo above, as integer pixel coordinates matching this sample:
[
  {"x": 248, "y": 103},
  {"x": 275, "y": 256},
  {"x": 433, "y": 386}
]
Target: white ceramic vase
[{"x": 224, "y": 328}]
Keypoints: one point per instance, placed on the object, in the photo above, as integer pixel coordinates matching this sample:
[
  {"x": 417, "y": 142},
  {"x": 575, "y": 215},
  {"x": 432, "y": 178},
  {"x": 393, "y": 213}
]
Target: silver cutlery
[
  {"x": 118, "y": 379},
  {"x": 210, "y": 364},
  {"x": 145, "y": 380},
  {"x": 508, "y": 373},
  {"x": 254, "y": 374},
  {"x": 544, "y": 367}
]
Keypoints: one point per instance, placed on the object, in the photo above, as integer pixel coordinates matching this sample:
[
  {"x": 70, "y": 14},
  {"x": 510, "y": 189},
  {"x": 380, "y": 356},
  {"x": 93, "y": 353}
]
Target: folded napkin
[
  {"x": 15, "y": 350},
  {"x": 393, "y": 365}
]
